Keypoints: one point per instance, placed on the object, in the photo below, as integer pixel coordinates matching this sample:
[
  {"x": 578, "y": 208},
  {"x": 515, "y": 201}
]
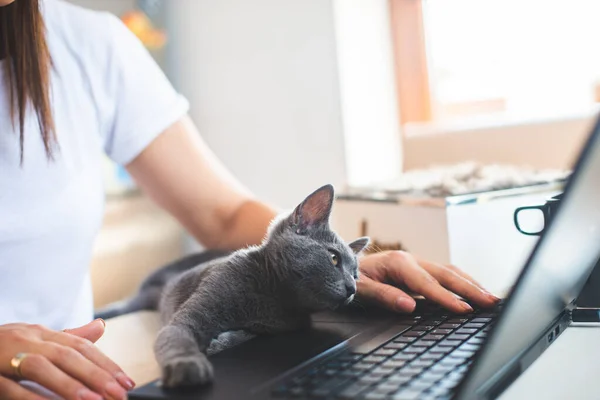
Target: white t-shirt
[{"x": 108, "y": 95}]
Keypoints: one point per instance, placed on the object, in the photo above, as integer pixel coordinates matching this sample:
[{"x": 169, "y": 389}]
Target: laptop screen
[{"x": 556, "y": 272}]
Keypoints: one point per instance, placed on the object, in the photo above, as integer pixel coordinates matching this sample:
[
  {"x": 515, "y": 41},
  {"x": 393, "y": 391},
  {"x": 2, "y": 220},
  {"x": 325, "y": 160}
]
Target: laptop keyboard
[{"x": 426, "y": 361}]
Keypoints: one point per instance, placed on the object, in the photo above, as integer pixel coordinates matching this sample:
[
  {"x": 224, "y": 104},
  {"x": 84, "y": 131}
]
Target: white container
[{"x": 475, "y": 232}]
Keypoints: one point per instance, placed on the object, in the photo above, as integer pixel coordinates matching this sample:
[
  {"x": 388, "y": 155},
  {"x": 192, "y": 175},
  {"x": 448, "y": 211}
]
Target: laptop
[{"x": 369, "y": 353}]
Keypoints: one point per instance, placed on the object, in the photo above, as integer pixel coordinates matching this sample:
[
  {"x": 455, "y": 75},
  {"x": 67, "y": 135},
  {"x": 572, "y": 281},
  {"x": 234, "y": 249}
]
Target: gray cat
[{"x": 301, "y": 267}]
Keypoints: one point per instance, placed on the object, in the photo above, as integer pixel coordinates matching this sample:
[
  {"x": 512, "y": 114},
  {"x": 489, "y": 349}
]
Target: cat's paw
[{"x": 187, "y": 371}]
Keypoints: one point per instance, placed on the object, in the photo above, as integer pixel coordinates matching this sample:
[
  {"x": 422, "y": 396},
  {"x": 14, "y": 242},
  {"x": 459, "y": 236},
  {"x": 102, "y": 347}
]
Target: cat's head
[{"x": 320, "y": 268}]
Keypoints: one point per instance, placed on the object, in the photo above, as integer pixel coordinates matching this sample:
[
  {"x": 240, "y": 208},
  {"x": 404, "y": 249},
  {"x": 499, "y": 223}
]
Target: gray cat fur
[{"x": 263, "y": 289}]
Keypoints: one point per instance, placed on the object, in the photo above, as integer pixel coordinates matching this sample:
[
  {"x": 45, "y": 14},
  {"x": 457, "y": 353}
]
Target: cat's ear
[
  {"x": 314, "y": 210},
  {"x": 359, "y": 244}
]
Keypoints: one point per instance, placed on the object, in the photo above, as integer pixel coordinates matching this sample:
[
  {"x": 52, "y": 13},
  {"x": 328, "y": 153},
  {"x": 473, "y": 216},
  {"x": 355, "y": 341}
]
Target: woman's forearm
[{"x": 246, "y": 226}]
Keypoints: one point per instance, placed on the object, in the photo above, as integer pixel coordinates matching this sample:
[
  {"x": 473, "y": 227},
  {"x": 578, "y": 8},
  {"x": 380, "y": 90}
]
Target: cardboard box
[{"x": 475, "y": 232}]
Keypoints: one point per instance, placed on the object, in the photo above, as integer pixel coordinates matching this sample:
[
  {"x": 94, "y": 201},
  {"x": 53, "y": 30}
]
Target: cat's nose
[{"x": 351, "y": 288}]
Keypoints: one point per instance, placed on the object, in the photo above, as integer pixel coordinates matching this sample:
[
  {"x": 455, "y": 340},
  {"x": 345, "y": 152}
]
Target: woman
[{"x": 75, "y": 84}]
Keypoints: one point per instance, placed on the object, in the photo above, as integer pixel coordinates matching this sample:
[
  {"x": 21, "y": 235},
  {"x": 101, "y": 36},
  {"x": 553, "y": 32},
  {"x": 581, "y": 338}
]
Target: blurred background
[{"x": 292, "y": 94}]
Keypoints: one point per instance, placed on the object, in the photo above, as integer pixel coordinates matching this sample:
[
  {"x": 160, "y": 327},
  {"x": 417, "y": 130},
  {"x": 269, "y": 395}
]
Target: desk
[{"x": 568, "y": 370}]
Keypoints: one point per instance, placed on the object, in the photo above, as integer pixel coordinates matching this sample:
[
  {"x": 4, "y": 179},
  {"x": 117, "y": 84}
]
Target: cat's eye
[{"x": 334, "y": 257}]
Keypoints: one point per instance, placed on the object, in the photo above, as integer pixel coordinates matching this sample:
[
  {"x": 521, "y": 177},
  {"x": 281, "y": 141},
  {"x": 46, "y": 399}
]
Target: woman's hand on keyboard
[
  {"x": 382, "y": 275},
  {"x": 66, "y": 363}
]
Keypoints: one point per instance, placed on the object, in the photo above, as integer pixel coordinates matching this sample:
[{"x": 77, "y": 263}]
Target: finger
[
  {"x": 92, "y": 353},
  {"x": 460, "y": 285},
  {"x": 83, "y": 370},
  {"x": 459, "y": 271},
  {"x": 403, "y": 268},
  {"x": 11, "y": 390},
  {"x": 92, "y": 331},
  {"x": 390, "y": 297},
  {"x": 39, "y": 369}
]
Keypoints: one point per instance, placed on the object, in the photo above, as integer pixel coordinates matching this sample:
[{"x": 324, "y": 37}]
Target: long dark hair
[{"x": 27, "y": 68}]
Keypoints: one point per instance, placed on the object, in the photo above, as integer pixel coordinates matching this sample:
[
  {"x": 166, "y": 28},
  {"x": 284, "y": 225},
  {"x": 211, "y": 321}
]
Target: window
[{"x": 488, "y": 58}]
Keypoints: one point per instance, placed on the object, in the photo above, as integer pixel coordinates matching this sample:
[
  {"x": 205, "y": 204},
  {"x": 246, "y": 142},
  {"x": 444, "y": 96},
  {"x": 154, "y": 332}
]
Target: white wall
[
  {"x": 290, "y": 94},
  {"x": 262, "y": 81}
]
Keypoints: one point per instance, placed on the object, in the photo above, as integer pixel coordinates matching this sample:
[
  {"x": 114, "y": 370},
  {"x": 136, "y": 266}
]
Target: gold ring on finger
[{"x": 16, "y": 362}]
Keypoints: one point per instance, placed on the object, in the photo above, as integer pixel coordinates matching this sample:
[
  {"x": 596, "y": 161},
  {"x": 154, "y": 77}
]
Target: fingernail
[
  {"x": 86, "y": 394},
  {"x": 465, "y": 307},
  {"x": 493, "y": 298},
  {"x": 405, "y": 304},
  {"x": 101, "y": 320},
  {"x": 115, "y": 391},
  {"x": 125, "y": 381}
]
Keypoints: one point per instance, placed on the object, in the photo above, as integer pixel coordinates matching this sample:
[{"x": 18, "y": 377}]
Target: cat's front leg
[{"x": 181, "y": 361}]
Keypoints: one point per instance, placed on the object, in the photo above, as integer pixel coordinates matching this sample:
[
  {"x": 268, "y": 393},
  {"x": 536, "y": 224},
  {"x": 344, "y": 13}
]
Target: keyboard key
[
  {"x": 361, "y": 366},
  {"x": 481, "y": 335},
  {"x": 442, "y": 368},
  {"x": 440, "y": 349},
  {"x": 353, "y": 390},
  {"x": 450, "y": 343},
  {"x": 448, "y": 384},
  {"x": 433, "y": 337},
  {"x": 460, "y": 320},
  {"x": 473, "y": 325},
  {"x": 424, "y": 343},
  {"x": 385, "y": 352},
  {"x": 423, "y": 327},
  {"x": 441, "y": 331},
  {"x": 418, "y": 384},
  {"x": 487, "y": 314},
  {"x": 432, "y": 376},
  {"x": 404, "y": 339},
  {"x": 467, "y": 331},
  {"x": 395, "y": 346},
  {"x": 432, "y": 356},
  {"x": 414, "y": 334},
  {"x": 349, "y": 357},
  {"x": 376, "y": 396},
  {"x": 382, "y": 371},
  {"x": 449, "y": 326},
  {"x": 407, "y": 394},
  {"x": 375, "y": 359},
  {"x": 414, "y": 350},
  {"x": 421, "y": 363},
  {"x": 350, "y": 373},
  {"x": 439, "y": 391},
  {"x": 404, "y": 356},
  {"x": 462, "y": 353},
  {"x": 435, "y": 321},
  {"x": 475, "y": 340},
  {"x": 394, "y": 364},
  {"x": 452, "y": 361},
  {"x": 370, "y": 379},
  {"x": 410, "y": 371},
  {"x": 469, "y": 346},
  {"x": 456, "y": 336},
  {"x": 387, "y": 387},
  {"x": 399, "y": 379},
  {"x": 481, "y": 320}
]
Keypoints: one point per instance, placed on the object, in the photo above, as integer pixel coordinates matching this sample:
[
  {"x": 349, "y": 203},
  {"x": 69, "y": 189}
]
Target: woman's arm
[
  {"x": 181, "y": 174},
  {"x": 179, "y": 171}
]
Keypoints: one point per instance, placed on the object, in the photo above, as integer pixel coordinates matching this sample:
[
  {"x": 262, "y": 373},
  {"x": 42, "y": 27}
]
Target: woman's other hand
[
  {"x": 382, "y": 273},
  {"x": 66, "y": 363}
]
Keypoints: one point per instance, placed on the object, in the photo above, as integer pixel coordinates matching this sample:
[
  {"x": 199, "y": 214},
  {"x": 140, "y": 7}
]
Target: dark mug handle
[{"x": 542, "y": 208}]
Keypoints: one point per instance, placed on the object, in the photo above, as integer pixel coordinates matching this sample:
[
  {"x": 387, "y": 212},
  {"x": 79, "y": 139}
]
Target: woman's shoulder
[{"x": 81, "y": 31}]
